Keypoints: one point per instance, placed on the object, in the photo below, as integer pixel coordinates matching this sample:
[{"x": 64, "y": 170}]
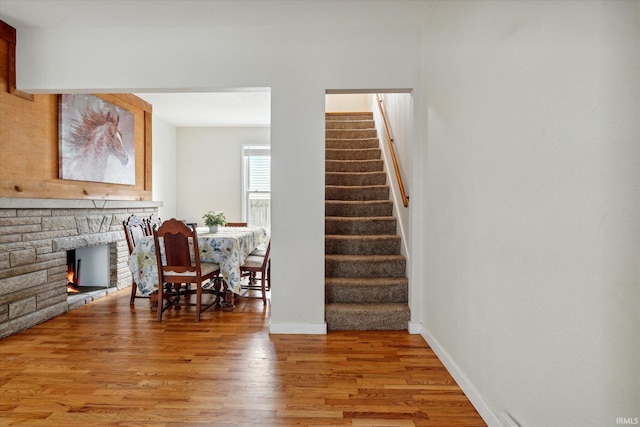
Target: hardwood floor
[{"x": 106, "y": 363}]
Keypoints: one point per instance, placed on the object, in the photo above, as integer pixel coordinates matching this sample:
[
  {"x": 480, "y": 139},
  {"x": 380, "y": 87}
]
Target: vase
[{"x": 213, "y": 229}]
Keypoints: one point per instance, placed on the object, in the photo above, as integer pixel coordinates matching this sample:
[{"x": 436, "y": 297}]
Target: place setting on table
[{"x": 228, "y": 245}]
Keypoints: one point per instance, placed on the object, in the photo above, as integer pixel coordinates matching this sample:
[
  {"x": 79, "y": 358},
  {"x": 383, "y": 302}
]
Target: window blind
[
  {"x": 259, "y": 173},
  {"x": 257, "y": 186}
]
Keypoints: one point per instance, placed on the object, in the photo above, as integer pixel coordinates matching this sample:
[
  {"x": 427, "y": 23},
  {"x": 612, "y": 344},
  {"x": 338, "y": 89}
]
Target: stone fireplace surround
[{"x": 35, "y": 235}]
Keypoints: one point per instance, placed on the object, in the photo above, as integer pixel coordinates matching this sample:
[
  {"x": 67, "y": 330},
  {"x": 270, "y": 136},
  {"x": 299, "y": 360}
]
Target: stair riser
[
  {"x": 351, "y": 209},
  {"x": 351, "y": 133},
  {"x": 349, "y": 124},
  {"x": 359, "y": 227},
  {"x": 353, "y": 166},
  {"x": 353, "y": 154},
  {"x": 364, "y": 323},
  {"x": 348, "y": 268},
  {"x": 352, "y": 144},
  {"x": 395, "y": 293},
  {"x": 355, "y": 179},
  {"x": 355, "y": 319},
  {"x": 365, "y": 246}
]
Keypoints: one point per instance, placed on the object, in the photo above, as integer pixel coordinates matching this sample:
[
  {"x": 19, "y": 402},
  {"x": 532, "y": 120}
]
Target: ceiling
[
  {"x": 246, "y": 108},
  {"x": 204, "y": 13},
  {"x": 232, "y": 107}
]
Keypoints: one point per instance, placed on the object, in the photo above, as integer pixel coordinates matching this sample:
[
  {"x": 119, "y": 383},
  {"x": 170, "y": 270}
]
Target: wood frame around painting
[{"x": 96, "y": 140}]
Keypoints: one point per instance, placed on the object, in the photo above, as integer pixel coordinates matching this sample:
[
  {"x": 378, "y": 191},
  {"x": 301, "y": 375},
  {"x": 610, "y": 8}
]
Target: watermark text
[{"x": 627, "y": 421}]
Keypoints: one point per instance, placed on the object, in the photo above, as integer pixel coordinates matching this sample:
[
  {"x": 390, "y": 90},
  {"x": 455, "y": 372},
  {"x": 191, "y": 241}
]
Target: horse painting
[{"x": 93, "y": 148}]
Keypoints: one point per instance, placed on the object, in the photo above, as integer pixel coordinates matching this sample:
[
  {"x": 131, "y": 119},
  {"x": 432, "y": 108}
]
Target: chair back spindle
[{"x": 151, "y": 222}]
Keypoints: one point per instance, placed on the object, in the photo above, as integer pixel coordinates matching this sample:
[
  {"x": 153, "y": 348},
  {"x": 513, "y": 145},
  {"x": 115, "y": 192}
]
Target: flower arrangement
[{"x": 212, "y": 218}]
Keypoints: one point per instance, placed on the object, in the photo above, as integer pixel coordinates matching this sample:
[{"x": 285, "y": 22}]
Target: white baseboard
[
  {"x": 298, "y": 328},
  {"x": 508, "y": 421},
  {"x": 472, "y": 393},
  {"x": 415, "y": 328}
]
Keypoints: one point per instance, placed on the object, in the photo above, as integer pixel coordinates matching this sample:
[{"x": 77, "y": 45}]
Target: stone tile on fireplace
[{"x": 34, "y": 237}]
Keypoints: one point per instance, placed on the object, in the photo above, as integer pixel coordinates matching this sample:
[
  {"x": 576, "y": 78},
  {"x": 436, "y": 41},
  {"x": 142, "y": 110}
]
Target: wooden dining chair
[
  {"x": 178, "y": 259},
  {"x": 254, "y": 264},
  {"x": 262, "y": 253},
  {"x": 236, "y": 224},
  {"x": 134, "y": 230},
  {"x": 153, "y": 221}
]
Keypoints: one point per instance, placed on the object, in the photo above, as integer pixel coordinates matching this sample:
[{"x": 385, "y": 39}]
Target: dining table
[{"x": 228, "y": 247}]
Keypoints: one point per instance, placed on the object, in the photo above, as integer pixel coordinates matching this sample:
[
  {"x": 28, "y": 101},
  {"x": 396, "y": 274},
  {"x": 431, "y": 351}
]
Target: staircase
[{"x": 366, "y": 287}]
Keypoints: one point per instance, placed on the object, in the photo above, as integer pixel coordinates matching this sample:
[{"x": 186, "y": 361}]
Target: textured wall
[{"x": 532, "y": 205}]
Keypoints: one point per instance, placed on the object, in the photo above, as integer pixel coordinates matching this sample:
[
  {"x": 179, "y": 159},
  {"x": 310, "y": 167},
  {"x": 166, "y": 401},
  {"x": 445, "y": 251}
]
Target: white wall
[
  {"x": 163, "y": 153},
  {"x": 533, "y": 205},
  {"x": 398, "y": 108},
  {"x": 351, "y": 102},
  {"x": 209, "y": 170},
  {"x": 299, "y": 61}
]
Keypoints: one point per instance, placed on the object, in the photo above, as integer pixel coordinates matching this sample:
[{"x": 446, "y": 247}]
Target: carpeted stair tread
[
  {"x": 360, "y": 225},
  {"x": 368, "y": 316},
  {"x": 364, "y": 115},
  {"x": 362, "y": 244},
  {"x": 364, "y": 265},
  {"x": 351, "y": 133},
  {"x": 363, "y": 192},
  {"x": 352, "y": 154},
  {"x": 366, "y": 281},
  {"x": 351, "y": 143},
  {"x": 350, "y": 124},
  {"x": 374, "y": 165},
  {"x": 366, "y": 289},
  {"x": 355, "y": 178},
  {"x": 363, "y": 209}
]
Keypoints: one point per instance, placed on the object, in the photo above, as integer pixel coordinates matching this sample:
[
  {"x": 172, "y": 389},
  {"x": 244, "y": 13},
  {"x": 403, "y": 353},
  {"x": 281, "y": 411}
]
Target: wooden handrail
[{"x": 403, "y": 194}]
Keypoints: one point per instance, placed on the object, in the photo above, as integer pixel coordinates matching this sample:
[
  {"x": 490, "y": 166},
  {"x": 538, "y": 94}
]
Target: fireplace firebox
[{"x": 88, "y": 268}]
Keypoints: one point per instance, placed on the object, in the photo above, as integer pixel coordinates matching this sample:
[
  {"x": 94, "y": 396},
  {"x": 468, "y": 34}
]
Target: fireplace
[{"x": 35, "y": 237}]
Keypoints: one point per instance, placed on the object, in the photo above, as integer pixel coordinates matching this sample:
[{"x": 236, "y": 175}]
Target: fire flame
[{"x": 71, "y": 286}]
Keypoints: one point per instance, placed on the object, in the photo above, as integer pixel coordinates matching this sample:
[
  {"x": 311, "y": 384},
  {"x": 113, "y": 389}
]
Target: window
[{"x": 257, "y": 186}]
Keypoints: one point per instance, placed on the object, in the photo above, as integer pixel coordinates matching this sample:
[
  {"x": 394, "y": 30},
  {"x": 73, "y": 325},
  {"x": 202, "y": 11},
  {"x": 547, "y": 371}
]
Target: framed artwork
[{"x": 96, "y": 140}]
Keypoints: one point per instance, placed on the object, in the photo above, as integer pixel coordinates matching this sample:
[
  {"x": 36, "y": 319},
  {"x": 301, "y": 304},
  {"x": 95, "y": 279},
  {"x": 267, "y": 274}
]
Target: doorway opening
[{"x": 366, "y": 271}]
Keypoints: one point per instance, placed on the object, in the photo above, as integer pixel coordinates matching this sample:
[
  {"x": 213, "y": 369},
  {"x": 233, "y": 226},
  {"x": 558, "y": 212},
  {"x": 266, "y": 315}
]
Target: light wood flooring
[{"x": 108, "y": 364}]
